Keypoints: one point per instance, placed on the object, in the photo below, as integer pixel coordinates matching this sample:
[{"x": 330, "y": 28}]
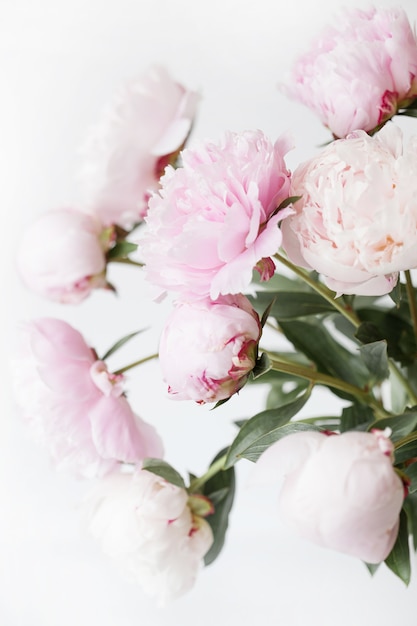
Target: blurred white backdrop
[{"x": 60, "y": 64}]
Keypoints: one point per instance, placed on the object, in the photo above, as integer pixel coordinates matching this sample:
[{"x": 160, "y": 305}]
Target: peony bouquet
[{"x": 286, "y": 279}]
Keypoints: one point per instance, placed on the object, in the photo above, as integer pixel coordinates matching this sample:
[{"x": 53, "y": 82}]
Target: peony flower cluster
[
  {"x": 208, "y": 348},
  {"x": 74, "y": 405},
  {"x": 358, "y": 74},
  {"x": 215, "y": 219},
  {"x": 339, "y": 491},
  {"x": 356, "y": 221},
  {"x": 125, "y": 154},
  {"x": 147, "y": 525}
]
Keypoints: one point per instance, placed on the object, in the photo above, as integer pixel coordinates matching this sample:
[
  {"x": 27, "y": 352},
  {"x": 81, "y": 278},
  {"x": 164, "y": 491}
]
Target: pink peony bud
[
  {"x": 62, "y": 257},
  {"x": 356, "y": 223},
  {"x": 340, "y": 492},
  {"x": 146, "y": 525},
  {"x": 215, "y": 219},
  {"x": 73, "y": 405},
  {"x": 357, "y": 74},
  {"x": 137, "y": 136},
  {"x": 208, "y": 348}
]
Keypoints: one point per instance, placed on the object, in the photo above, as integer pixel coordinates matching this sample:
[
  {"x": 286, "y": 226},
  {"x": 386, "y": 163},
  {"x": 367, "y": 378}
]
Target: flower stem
[
  {"x": 411, "y": 300},
  {"x": 136, "y": 363},
  {"x": 321, "y": 289},
  {"x": 323, "y": 379},
  {"x": 214, "y": 469}
]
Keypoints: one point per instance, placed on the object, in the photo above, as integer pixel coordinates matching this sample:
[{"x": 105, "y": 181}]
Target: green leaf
[
  {"x": 411, "y": 472},
  {"x": 356, "y": 417},
  {"x": 121, "y": 250},
  {"x": 267, "y": 312},
  {"x": 393, "y": 327},
  {"x": 262, "y": 430},
  {"x": 372, "y": 567},
  {"x": 410, "y": 507},
  {"x": 401, "y": 425},
  {"x": 279, "y": 393},
  {"x": 262, "y": 365},
  {"x": 164, "y": 470},
  {"x": 313, "y": 339},
  {"x": 220, "y": 489},
  {"x": 375, "y": 358},
  {"x": 406, "y": 448},
  {"x": 408, "y": 112},
  {"x": 120, "y": 343},
  {"x": 292, "y": 305},
  {"x": 398, "y": 560}
]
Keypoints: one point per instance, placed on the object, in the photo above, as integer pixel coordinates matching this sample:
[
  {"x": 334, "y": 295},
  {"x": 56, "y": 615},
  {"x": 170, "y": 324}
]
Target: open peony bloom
[
  {"x": 356, "y": 75},
  {"x": 73, "y": 405},
  {"x": 208, "y": 348},
  {"x": 139, "y": 133},
  {"x": 214, "y": 219},
  {"x": 61, "y": 255},
  {"x": 356, "y": 223},
  {"x": 145, "y": 524},
  {"x": 339, "y": 491}
]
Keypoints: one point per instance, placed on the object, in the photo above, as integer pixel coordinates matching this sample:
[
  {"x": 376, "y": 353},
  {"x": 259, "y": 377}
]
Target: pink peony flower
[
  {"x": 61, "y": 256},
  {"x": 215, "y": 219},
  {"x": 208, "y": 348},
  {"x": 137, "y": 136},
  {"x": 356, "y": 222},
  {"x": 357, "y": 74},
  {"x": 340, "y": 491},
  {"x": 73, "y": 405},
  {"x": 145, "y": 524}
]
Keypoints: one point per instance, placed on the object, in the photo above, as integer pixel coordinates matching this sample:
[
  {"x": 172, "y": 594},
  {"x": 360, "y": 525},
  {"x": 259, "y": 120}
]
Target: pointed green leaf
[
  {"x": 399, "y": 558},
  {"x": 120, "y": 343},
  {"x": 356, "y": 417},
  {"x": 121, "y": 250},
  {"x": 262, "y": 430},
  {"x": 164, "y": 470},
  {"x": 406, "y": 448},
  {"x": 410, "y": 507},
  {"x": 372, "y": 567},
  {"x": 411, "y": 472},
  {"x": 220, "y": 489},
  {"x": 313, "y": 339},
  {"x": 401, "y": 425},
  {"x": 262, "y": 365},
  {"x": 292, "y": 305},
  {"x": 375, "y": 358}
]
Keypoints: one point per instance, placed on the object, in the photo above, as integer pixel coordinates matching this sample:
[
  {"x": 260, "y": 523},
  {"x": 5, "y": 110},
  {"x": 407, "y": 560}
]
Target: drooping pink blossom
[
  {"x": 208, "y": 348},
  {"x": 145, "y": 524},
  {"x": 61, "y": 255},
  {"x": 356, "y": 221},
  {"x": 215, "y": 218},
  {"x": 358, "y": 72},
  {"x": 126, "y": 152},
  {"x": 340, "y": 492},
  {"x": 73, "y": 405}
]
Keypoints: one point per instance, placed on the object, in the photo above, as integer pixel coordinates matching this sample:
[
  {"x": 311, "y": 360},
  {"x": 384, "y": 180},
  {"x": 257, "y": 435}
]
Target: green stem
[
  {"x": 214, "y": 469},
  {"x": 350, "y": 315},
  {"x": 323, "y": 379},
  {"x": 411, "y": 300},
  {"x": 321, "y": 289},
  {"x": 136, "y": 363}
]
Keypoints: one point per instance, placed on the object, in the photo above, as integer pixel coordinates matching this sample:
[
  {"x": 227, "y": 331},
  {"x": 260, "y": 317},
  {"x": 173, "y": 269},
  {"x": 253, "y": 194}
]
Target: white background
[{"x": 60, "y": 62}]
